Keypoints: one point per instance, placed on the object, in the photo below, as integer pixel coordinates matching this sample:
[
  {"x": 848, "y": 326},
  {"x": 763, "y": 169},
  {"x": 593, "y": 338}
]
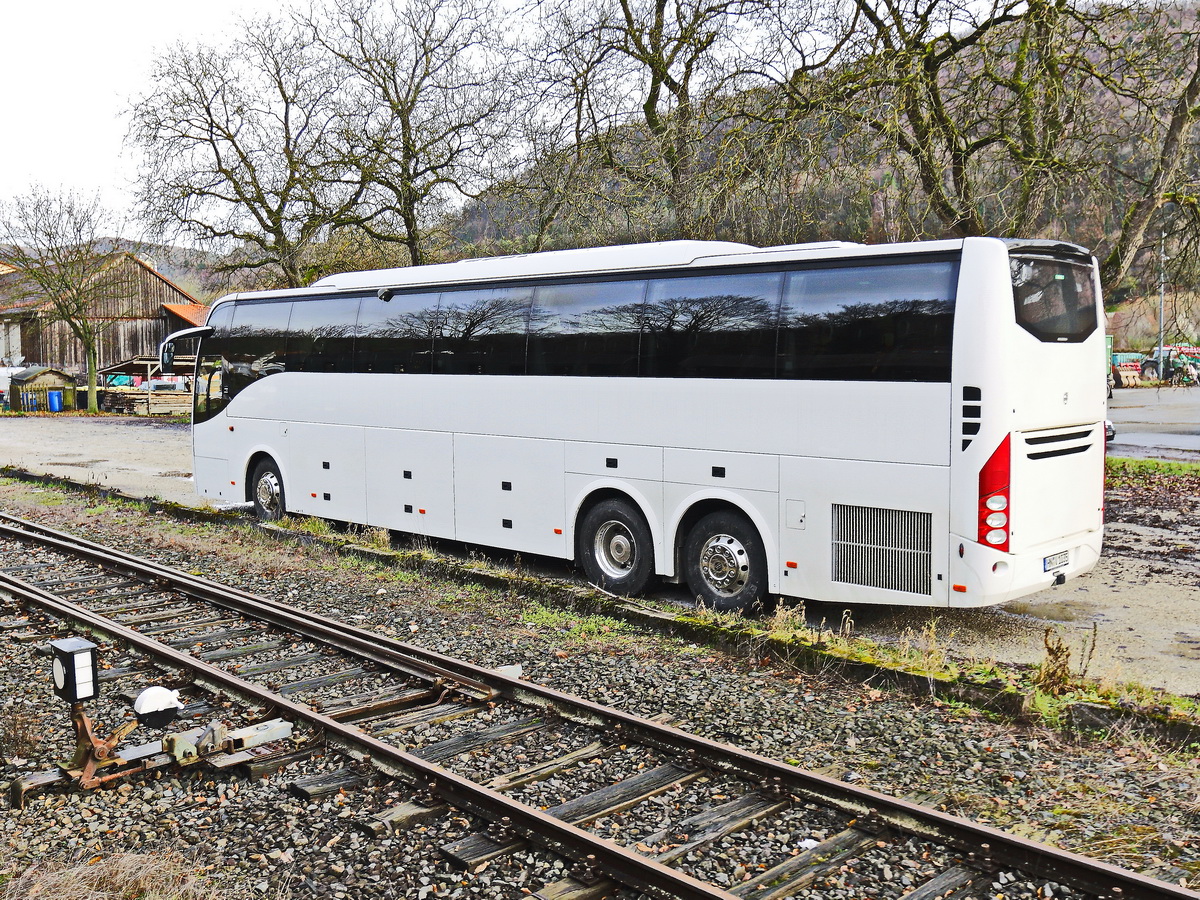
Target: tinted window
[
  {"x": 396, "y": 335},
  {"x": 885, "y": 322},
  {"x": 256, "y": 344},
  {"x": 586, "y": 329},
  {"x": 718, "y": 326},
  {"x": 210, "y": 397},
  {"x": 321, "y": 335},
  {"x": 1055, "y": 299},
  {"x": 482, "y": 332}
]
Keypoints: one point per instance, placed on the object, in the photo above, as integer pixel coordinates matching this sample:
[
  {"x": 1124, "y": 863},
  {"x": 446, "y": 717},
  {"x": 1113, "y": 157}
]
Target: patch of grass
[
  {"x": 1122, "y": 467},
  {"x": 313, "y": 525},
  {"x": 1153, "y": 482},
  {"x": 572, "y": 627}
]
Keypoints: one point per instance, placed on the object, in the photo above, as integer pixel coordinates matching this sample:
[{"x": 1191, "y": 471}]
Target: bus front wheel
[
  {"x": 615, "y": 547},
  {"x": 724, "y": 563},
  {"x": 267, "y": 491}
]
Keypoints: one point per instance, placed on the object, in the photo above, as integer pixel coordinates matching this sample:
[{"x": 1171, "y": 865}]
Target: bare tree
[
  {"x": 644, "y": 78},
  {"x": 63, "y": 244},
  {"x": 244, "y": 147},
  {"x": 429, "y": 92}
]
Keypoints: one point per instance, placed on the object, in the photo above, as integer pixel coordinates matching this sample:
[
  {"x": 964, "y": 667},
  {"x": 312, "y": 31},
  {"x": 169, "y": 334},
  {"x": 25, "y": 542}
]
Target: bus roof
[
  {"x": 587, "y": 261},
  {"x": 552, "y": 262}
]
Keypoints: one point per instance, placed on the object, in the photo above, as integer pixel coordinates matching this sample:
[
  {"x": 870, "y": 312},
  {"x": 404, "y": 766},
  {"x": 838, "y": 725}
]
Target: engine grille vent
[{"x": 883, "y": 548}]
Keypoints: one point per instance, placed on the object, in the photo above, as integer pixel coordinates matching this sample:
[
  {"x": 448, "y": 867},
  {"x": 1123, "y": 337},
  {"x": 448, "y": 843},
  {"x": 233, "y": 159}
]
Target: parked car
[{"x": 1109, "y": 431}]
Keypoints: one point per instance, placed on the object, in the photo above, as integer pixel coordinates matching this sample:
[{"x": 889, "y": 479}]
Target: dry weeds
[{"x": 164, "y": 876}]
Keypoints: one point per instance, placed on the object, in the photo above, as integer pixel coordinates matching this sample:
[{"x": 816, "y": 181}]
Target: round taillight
[
  {"x": 996, "y": 520},
  {"x": 996, "y": 536},
  {"x": 996, "y": 502}
]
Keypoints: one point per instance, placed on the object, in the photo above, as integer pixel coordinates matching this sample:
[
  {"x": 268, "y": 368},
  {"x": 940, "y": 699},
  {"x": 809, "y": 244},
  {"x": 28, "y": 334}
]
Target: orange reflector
[
  {"x": 961, "y": 588},
  {"x": 790, "y": 564},
  {"x": 421, "y": 511},
  {"x": 314, "y": 495},
  {"x": 233, "y": 482},
  {"x": 558, "y": 531},
  {"x": 231, "y": 428}
]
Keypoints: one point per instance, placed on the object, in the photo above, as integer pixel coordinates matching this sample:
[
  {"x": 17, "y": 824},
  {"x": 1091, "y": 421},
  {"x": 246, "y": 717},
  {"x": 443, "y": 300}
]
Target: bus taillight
[{"x": 993, "y": 498}]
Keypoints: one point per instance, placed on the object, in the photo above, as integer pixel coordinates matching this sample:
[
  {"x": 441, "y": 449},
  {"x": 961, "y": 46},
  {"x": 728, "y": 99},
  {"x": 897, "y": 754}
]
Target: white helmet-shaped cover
[{"x": 156, "y": 706}]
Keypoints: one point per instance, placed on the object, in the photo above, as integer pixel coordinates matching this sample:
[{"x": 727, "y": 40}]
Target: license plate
[{"x": 1057, "y": 561}]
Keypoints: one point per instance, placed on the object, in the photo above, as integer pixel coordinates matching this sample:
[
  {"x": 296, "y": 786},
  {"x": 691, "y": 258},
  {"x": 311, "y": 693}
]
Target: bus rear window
[{"x": 1055, "y": 299}]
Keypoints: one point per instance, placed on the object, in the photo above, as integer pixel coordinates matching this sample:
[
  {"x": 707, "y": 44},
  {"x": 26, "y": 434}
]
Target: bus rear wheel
[
  {"x": 267, "y": 491},
  {"x": 615, "y": 547},
  {"x": 724, "y": 563}
]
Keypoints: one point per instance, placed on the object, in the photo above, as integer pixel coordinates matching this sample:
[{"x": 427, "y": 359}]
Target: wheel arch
[
  {"x": 248, "y": 472},
  {"x": 598, "y": 493},
  {"x": 695, "y": 509}
]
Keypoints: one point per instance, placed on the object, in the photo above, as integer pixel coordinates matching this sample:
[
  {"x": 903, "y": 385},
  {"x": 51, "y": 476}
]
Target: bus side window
[
  {"x": 321, "y": 335},
  {"x": 396, "y": 335},
  {"x": 209, "y": 394},
  {"x": 713, "y": 326},
  {"x": 256, "y": 344},
  {"x": 887, "y": 322},
  {"x": 587, "y": 329},
  {"x": 482, "y": 332}
]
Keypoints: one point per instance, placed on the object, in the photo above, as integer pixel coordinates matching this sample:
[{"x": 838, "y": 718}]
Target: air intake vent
[
  {"x": 883, "y": 548},
  {"x": 1062, "y": 443},
  {"x": 972, "y": 413}
]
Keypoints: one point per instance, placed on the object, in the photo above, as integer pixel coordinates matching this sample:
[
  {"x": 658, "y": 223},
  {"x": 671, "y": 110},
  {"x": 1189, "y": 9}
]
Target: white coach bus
[{"x": 916, "y": 424}]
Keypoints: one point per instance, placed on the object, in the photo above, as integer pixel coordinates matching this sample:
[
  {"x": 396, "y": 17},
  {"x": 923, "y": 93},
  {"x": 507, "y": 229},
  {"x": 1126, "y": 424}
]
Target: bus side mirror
[{"x": 166, "y": 350}]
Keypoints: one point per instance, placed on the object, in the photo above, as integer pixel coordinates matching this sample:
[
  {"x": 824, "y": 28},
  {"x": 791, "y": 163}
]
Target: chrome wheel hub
[
  {"x": 615, "y": 550},
  {"x": 267, "y": 492},
  {"x": 724, "y": 564}
]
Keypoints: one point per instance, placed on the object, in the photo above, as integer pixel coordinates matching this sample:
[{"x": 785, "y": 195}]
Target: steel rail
[
  {"x": 363, "y": 644},
  {"x": 624, "y": 866},
  {"x": 983, "y": 845}
]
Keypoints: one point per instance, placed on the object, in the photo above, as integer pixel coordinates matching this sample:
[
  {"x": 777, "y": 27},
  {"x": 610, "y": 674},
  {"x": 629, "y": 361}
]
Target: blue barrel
[
  {"x": 29, "y": 401},
  {"x": 55, "y": 400}
]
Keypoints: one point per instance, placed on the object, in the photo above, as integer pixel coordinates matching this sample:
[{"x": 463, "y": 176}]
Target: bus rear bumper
[{"x": 985, "y": 577}]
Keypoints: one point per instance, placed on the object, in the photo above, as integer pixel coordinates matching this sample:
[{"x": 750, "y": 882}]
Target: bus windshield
[{"x": 1055, "y": 298}]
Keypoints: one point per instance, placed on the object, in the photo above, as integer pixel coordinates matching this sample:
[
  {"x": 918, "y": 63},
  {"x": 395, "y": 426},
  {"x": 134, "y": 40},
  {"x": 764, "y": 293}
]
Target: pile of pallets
[{"x": 140, "y": 402}]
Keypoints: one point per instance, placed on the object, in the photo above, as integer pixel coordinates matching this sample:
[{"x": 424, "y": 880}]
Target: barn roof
[
  {"x": 193, "y": 313},
  {"x": 16, "y": 296}
]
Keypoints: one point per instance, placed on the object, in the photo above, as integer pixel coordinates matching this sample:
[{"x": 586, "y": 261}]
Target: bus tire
[
  {"x": 266, "y": 489},
  {"x": 615, "y": 548},
  {"x": 724, "y": 563}
]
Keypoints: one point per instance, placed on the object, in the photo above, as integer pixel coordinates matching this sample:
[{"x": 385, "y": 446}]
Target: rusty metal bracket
[{"x": 91, "y": 752}]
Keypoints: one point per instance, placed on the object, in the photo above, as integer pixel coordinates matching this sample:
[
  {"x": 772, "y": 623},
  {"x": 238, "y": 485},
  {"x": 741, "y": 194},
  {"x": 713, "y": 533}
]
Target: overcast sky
[{"x": 68, "y": 71}]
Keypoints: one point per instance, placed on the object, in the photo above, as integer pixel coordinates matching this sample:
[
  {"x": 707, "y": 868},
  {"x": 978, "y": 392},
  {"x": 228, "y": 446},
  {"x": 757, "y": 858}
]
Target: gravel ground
[{"x": 1116, "y": 798}]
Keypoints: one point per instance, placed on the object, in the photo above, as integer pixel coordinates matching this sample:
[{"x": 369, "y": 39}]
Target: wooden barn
[{"x": 132, "y": 323}]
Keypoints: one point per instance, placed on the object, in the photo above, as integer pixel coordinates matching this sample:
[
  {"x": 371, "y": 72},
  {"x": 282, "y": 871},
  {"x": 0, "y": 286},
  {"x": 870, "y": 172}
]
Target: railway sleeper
[
  {"x": 147, "y": 615},
  {"x": 225, "y": 653},
  {"x": 485, "y": 845},
  {"x": 378, "y": 702},
  {"x": 122, "y": 604},
  {"x": 212, "y": 637},
  {"x": 184, "y": 624},
  {"x": 703, "y": 828},
  {"x": 424, "y": 808},
  {"x": 315, "y": 787}
]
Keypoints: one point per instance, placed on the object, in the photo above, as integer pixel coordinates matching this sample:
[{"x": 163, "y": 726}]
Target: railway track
[{"x": 438, "y": 725}]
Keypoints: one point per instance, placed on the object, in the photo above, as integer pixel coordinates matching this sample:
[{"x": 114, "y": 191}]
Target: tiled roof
[{"x": 195, "y": 313}]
